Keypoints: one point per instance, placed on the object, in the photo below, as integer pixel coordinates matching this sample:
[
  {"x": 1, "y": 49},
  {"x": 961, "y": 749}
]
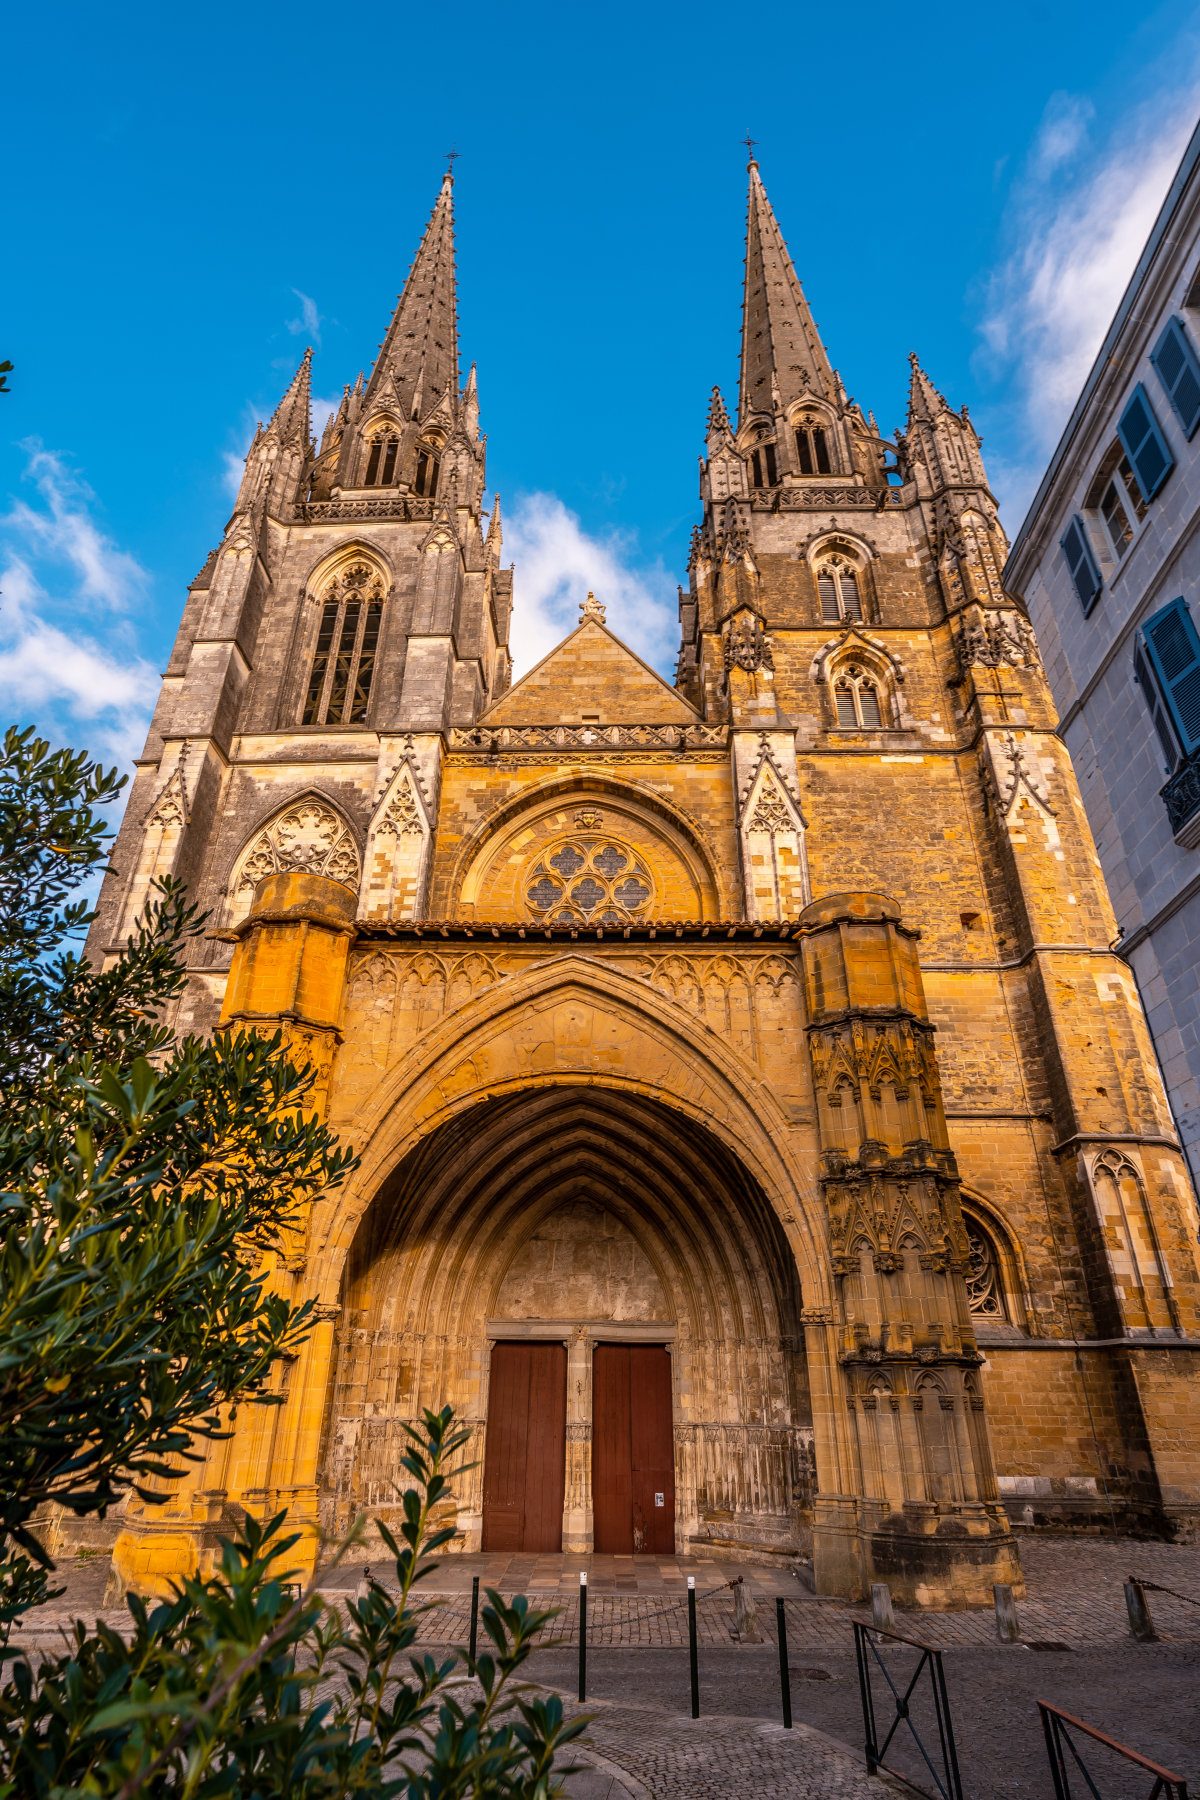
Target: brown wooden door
[
  {"x": 525, "y": 1463},
  {"x": 633, "y": 1453}
]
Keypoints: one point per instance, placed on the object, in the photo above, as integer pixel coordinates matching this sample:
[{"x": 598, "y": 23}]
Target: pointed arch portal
[{"x": 579, "y": 1220}]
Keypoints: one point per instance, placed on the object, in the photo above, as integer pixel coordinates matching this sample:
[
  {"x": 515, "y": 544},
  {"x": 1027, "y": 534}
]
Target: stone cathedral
[{"x": 762, "y": 1145}]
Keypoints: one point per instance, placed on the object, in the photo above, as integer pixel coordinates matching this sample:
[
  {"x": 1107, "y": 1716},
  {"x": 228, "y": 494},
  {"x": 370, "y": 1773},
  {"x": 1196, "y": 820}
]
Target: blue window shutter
[
  {"x": 1144, "y": 444},
  {"x": 1175, "y": 657},
  {"x": 1077, "y": 549},
  {"x": 1154, "y": 700},
  {"x": 1179, "y": 372}
]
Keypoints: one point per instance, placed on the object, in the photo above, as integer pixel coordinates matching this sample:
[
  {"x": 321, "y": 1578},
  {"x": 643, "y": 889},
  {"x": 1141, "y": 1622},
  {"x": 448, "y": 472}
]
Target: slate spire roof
[
  {"x": 420, "y": 350},
  {"x": 780, "y": 344}
]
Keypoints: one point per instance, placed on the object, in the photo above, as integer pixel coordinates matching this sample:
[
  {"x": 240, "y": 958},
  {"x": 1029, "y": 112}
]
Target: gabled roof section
[
  {"x": 780, "y": 343},
  {"x": 591, "y": 672},
  {"x": 421, "y": 346}
]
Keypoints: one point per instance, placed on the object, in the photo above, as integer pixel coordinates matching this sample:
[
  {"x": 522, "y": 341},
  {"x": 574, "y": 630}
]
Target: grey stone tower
[{"x": 351, "y": 614}]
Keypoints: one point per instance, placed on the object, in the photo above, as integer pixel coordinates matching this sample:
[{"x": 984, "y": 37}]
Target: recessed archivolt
[
  {"x": 836, "y": 543},
  {"x": 337, "y": 561},
  {"x": 443, "y": 1234},
  {"x": 578, "y": 1025},
  {"x": 623, "y": 811}
]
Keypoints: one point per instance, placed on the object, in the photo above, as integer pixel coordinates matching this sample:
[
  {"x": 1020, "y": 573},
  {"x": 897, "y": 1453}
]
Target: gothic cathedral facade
[{"x": 762, "y": 1148}]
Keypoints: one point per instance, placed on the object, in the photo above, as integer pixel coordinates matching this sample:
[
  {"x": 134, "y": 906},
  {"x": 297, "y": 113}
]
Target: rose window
[{"x": 589, "y": 881}]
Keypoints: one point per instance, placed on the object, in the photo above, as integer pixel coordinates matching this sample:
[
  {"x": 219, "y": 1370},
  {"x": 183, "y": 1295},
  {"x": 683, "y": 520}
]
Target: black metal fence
[
  {"x": 948, "y": 1784},
  {"x": 1058, "y": 1727}
]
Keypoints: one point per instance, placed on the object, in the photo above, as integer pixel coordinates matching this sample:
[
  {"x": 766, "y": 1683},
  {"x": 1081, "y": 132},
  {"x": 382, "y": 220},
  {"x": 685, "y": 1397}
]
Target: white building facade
[{"x": 1108, "y": 565}]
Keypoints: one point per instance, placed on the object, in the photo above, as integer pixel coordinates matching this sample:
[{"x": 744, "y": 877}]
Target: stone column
[
  {"x": 288, "y": 971},
  {"x": 578, "y": 1537},
  {"x": 923, "y": 1513}
]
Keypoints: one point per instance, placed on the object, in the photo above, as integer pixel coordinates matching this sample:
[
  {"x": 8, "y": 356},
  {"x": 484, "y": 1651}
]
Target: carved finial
[{"x": 591, "y": 609}]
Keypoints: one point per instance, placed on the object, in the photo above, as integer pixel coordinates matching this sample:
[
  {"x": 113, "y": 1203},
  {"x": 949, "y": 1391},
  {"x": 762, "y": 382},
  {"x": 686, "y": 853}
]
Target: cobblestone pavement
[
  {"x": 641, "y": 1751},
  {"x": 642, "y": 1740}
]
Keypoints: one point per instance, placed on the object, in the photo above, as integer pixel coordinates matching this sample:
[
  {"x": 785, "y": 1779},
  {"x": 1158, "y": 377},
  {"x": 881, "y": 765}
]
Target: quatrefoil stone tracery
[{"x": 588, "y": 880}]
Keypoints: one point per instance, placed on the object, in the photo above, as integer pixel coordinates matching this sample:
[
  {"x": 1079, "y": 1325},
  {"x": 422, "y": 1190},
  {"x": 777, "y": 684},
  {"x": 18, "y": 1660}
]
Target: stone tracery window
[
  {"x": 307, "y": 838},
  {"x": 856, "y": 695},
  {"x": 985, "y": 1287},
  {"x": 339, "y": 683},
  {"x": 812, "y": 447},
  {"x": 838, "y": 587},
  {"x": 763, "y": 467},
  {"x": 428, "y": 465},
  {"x": 381, "y": 462},
  {"x": 589, "y": 881}
]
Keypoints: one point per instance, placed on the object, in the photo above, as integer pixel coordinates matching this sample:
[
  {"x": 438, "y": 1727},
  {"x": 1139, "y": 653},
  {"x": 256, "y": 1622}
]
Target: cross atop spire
[
  {"x": 779, "y": 337},
  {"x": 421, "y": 346}
]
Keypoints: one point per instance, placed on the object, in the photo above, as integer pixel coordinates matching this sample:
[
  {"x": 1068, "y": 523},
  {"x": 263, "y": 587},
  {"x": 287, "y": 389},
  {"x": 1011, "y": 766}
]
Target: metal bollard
[
  {"x": 692, "y": 1647},
  {"x": 1140, "y": 1622},
  {"x": 474, "y": 1614},
  {"x": 785, "y": 1678},
  {"x": 881, "y": 1607},
  {"x": 1008, "y": 1629},
  {"x": 583, "y": 1634}
]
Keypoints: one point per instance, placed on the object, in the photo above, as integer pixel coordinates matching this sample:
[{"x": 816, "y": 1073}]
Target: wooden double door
[
  {"x": 524, "y": 1466},
  {"x": 525, "y": 1462},
  {"x": 633, "y": 1451}
]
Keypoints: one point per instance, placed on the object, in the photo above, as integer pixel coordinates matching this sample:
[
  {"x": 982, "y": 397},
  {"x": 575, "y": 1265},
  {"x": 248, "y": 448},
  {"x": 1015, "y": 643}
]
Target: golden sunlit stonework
[{"x": 768, "y": 1020}]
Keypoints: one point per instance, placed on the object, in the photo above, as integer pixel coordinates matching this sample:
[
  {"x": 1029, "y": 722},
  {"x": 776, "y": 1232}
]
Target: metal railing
[
  {"x": 1055, "y": 1723},
  {"x": 866, "y": 1649}
]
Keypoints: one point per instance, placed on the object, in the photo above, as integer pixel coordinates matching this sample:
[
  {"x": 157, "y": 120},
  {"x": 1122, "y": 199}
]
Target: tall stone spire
[
  {"x": 420, "y": 351},
  {"x": 924, "y": 401},
  {"x": 780, "y": 344},
  {"x": 292, "y": 420}
]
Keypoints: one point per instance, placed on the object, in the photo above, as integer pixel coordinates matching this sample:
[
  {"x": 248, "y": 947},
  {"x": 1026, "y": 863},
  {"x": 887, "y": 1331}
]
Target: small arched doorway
[{"x": 603, "y": 1293}]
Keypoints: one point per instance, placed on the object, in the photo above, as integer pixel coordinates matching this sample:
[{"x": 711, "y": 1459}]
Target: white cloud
[
  {"x": 322, "y": 410},
  {"x": 309, "y": 321},
  {"x": 1077, "y": 221},
  {"x": 557, "y": 562},
  {"x": 63, "y": 582},
  {"x": 235, "y": 468}
]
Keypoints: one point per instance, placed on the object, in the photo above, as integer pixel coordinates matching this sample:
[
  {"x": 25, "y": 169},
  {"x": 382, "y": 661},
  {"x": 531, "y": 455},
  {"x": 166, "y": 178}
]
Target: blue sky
[{"x": 196, "y": 194}]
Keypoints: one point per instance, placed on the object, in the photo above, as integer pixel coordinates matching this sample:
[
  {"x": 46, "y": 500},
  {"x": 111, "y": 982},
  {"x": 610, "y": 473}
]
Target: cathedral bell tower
[{"x": 354, "y": 611}]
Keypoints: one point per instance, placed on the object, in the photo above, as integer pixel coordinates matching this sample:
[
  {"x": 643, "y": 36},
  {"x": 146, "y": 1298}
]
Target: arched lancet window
[
  {"x": 856, "y": 694},
  {"x": 381, "y": 460},
  {"x": 812, "y": 447},
  {"x": 764, "y": 471},
  {"x": 840, "y": 592},
  {"x": 589, "y": 880},
  {"x": 428, "y": 465},
  {"x": 984, "y": 1277},
  {"x": 339, "y": 684}
]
